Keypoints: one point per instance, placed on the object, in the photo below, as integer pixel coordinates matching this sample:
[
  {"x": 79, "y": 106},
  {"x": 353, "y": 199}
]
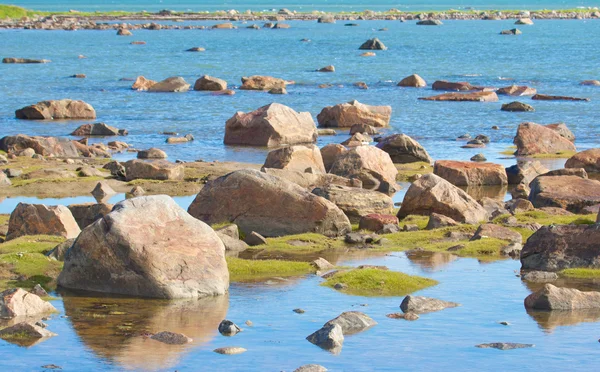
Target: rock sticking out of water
[
  {"x": 232, "y": 350},
  {"x": 407, "y": 316},
  {"x": 311, "y": 368},
  {"x": 228, "y": 328},
  {"x": 504, "y": 346},
  {"x": 420, "y": 305},
  {"x": 329, "y": 337}
]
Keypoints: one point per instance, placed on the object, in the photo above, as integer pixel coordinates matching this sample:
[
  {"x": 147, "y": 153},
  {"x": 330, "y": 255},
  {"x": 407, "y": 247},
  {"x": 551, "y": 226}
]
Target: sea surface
[
  {"x": 299, "y": 5},
  {"x": 552, "y": 56}
]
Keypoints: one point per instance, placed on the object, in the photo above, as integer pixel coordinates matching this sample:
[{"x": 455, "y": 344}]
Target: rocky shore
[{"x": 75, "y": 20}]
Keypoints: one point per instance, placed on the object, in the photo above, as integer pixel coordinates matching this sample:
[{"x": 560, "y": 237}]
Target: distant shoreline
[{"x": 16, "y": 17}]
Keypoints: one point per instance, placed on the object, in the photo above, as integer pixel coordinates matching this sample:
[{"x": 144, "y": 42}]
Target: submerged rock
[
  {"x": 171, "y": 338},
  {"x": 352, "y": 322},
  {"x": 517, "y": 107},
  {"x": 546, "y": 97},
  {"x": 414, "y": 81},
  {"x": 141, "y": 83},
  {"x": 540, "y": 276},
  {"x": 25, "y": 334},
  {"x": 515, "y": 90},
  {"x": 555, "y": 298},
  {"x": 420, "y": 305},
  {"x": 311, "y": 368},
  {"x": 149, "y": 247},
  {"x": 210, "y": 83},
  {"x": 231, "y": 350},
  {"x": 97, "y": 129},
  {"x": 24, "y": 60},
  {"x": 262, "y": 83},
  {"x": 173, "y": 84},
  {"x": 482, "y": 96}
]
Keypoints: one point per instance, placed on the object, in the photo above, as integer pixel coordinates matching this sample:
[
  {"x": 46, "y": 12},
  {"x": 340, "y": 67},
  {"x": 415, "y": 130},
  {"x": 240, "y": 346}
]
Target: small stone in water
[
  {"x": 249, "y": 323},
  {"x": 230, "y": 350},
  {"x": 299, "y": 311},
  {"x": 504, "y": 323},
  {"x": 51, "y": 366},
  {"x": 228, "y": 328},
  {"x": 504, "y": 346}
]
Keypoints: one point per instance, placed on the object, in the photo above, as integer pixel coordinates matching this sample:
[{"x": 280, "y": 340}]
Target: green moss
[
  {"x": 375, "y": 282},
  {"x": 420, "y": 221},
  {"x": 581, "y": 273},
  {"x": 510, "y": 151},
  {"x": 312, "y": 242},
  {"x": 558, "y": 155},
  {"x": 31, "y": 244},
  {"x": 11, "y": 11},
  {"x": 4, "y": 219},
  {"x": 248, "y": 270},
  {"x": 544, "y": 218},
  {"x": 17, "y": 336},
  {"x": 22, "y": 182},
  {"x": 407, "y": 171}
]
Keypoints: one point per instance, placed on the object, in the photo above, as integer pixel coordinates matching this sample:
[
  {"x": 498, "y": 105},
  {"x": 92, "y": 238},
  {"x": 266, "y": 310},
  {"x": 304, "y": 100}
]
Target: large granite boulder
[
  {"x": 153, "y": 170},
  {"x": 355, "y": 202},
  {"x": 39, "y": 219},
  {"x": 403, "y": 149},
  {"x": 302, "y": 158},
  {"x": 413, "y": 81},
  {"x": 345, "y": 115},
  {"x": 262, "y": 83},
  {"x": 588, "y": 160},
  {"x": 532, "y": 139},
  {"x": 210, "y": 83},
  {"x": 555, "y": 298},
  {"x": 524, "y": 172},
  {"x": 271, "y": 125},
  {"x": 572, "y": 193},
  {"x": 49, "y": 147},
  {"x": 558, "y": 247},
  {"x": 372, "y": 166},
  {"x": 18, "y": 302},
  {"x": 268, "y": 205},
  {"x": 330, "y": 152},
  {"x": 57, "y": 110},
  {"x": 239, "y": 197},
  {"x": 96, "y": 129},
  {"x": 173, "y": 84},
  {"x": 141, "y": 83},
  {"x": 432, "y": 194},
  {"x": 464, "y": 173},
  {"x": 148, "y": 247},
  {"x": 87, "y": 213}
]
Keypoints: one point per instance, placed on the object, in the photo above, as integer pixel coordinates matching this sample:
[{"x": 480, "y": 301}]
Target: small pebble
[{"x": 299, "y": 311}]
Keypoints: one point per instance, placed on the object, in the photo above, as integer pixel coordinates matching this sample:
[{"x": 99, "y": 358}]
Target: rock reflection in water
[
  {"x": 430, "y": 260},
  {"x": 114, "y": 328},
  {"x": 335, "y": 256},
  {"x": 548, "y": 320}
]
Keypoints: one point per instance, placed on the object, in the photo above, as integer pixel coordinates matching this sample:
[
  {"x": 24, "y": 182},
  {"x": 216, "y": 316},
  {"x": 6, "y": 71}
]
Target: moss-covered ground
[{"x": 376, "y": 282}]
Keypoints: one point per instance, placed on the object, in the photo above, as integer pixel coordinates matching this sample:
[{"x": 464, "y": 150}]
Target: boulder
[
  {"x": 430, "y": 22},
  {"x": 454, "y": 86},
  {"x": 210, "y": 83},
  {"x": 329, "y": 337},
  {"x": 437, "y": 221},
  {"x": 271, "y": 125},
  {"x": 239, "y": 197},
  {"x": 228, "y": 328},
  {"x": 330, "y": 153},
  {"x": 102, "y": 190},
  {"x": 483, "y": 96},
  {"x": 563, "y": 130},
  {"x": 253, "y": 239},
  {"x": 555, "y": 298},
  {"x": 148, "y": 247},
  {"x": 124, "y": 32},
  {"x": 372, "y": 166},
  {"x": 311, "y": 180},
  {"x": 493, "y": 207},
  {"x": 302, "y": 158},
  {"x": 403, "y": 149},
  {"x": 373, "y": 44},
  {"x": 421, "y": 305},
  {"x": 524, "y": 172},
  {"x": 363, "y": 129},
  {"x": 539, "y": 276},
  {"x": 356, "y": 202},
  {"x": 376, "y": 222},
  {"x": 524, "y": 21},
  {"x": 345, "y": 115},
  {"x": 588, "y": 160},
  {"x": 490, "y": 230},
  {"x": 57, "y": 110},
  {"x": 18, "y": 302},
  {"x": 152, "y": 153},
  {"x": 141, "y": 83},
  {"x": 153, "y": 170},
  {"x": 546, "y": 97},
  {"x": 558, "y": 247},
  {"x": 517, "y": 91},
  {"x": 432, "y": 194},
  {"x": 517, "y": 107},
  {"x": 532, "y": 139},
  {"x": 464, "y": 173},
  {"x": 414, "y": 81},
  {"x": 327, "y": 18},
  {"x": 24, "y": 60},
  {"x": 513, "y": 31},
  {"x": 519, "y": 205},
  {"x": 25, "y": 334},
  {"x": 357, "y": 139},
  {"x": 521, "y": 191},
  {"x": 97, "y": 129},
  {"x": 262, "y": 83},
  {"x": 58, "y": 252},
  {"x": 329, "y": 68},
  {"x": 172, "y": 84},
  {"x": 39, "y": 219},
  {"x": 320, "y": 264},
  {"x": 568, "y": 192},
  {"x": 352, "y": 322},
  {"x": 87, "y": 213}
]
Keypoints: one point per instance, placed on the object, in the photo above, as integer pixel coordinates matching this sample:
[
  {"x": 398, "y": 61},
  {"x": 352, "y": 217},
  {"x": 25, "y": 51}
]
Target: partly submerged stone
[
  {"x": 329, "y": 337},
  {"x": 17, "y": 302},
  {"x": 555, "y": 298},
  {"x": 420, "y": 305},
  {"x": 504, "y": 346},
  {"x": 57, "y": 109},
  {"x": 403, "y": 149},
  {"x": 345, "y": 115}
]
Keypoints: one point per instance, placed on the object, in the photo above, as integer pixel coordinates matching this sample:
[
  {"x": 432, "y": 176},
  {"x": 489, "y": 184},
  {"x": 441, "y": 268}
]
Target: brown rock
[
  {"x": 24, "y": 60},
  {"x": 464, "y": 97},
  {"x": 262, "y": 83},
  {"x": 363, "y": 129},
  {"x": 153, "y": 170},
  {"x": 517, "y": 91},
  {"x": 369, "y": 164},
  {"x": 18, "y": 302},
  {"x": 149, "y": 247},
  {"x": 403, "y": 149},
  {"x": 563, "y": 130},
  {"x": 545, "y": 97},
  {"x": 224, "y": 26},
  {"x": 437, "y": 221},
  {"x": 210, "y": 83},
  {"x": 578, "y": 172},
  {"x": 152, "y": 153},
  {"x": 524, "y": 172},
  {"x": 88, "y": 213},
  {"x": 172, "y": 84},
  {"x": 447, "y": 85},
  {"x": 238, "y": 197},
  {"x": 432, "y": 194},
  {"x": 375, "y": 221},
  {"x": 303, "y": 158},
  {"x": 532, "y": 139},
  {"x": 463, "y": 173},
  {"x": 517, "y": 107},
  {"x": 357, "y": 139},
  {"x": 330, "y": 153},
  {"x": 559, "y": 247},
  {"x": 310, "y": 181},
  {"x": 329, "y": 68},
  {"x": 590, "y": 82},
  {"x": 124, "y": 32},
  {"x": 373, "y": 44},
  {"x": 141, "y": 83},
  {"x": 490, "y": 230},
  {"x": 97, "y": 129},
  {"x": 271, "y": 125},
  {"x": 345, "y": 115},
  {"x": 414, "y": 81},
  {"x": 554, "y": 298},
  {"x": 588, "y": 160},
  {"x": 57, "y": 109},
  {"x": 568, "y": 192},
  {"x": 38, "y": 219},
  {"x": 356, "y": 202}
]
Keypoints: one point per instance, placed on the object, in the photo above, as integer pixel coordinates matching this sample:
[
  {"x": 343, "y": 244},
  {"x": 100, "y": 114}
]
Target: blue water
[
  {"x": 298, "y": 5},
  {"x": 552, "y": 56}
]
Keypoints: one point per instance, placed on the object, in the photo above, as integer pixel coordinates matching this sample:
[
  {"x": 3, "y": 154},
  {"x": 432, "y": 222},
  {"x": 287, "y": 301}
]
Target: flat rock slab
[
  {"x": 231, "y": 350},
  {"x": 420, "y": 305},
  {"x": 463, "y": 97},
  {"x": 504, "y": 346}
]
